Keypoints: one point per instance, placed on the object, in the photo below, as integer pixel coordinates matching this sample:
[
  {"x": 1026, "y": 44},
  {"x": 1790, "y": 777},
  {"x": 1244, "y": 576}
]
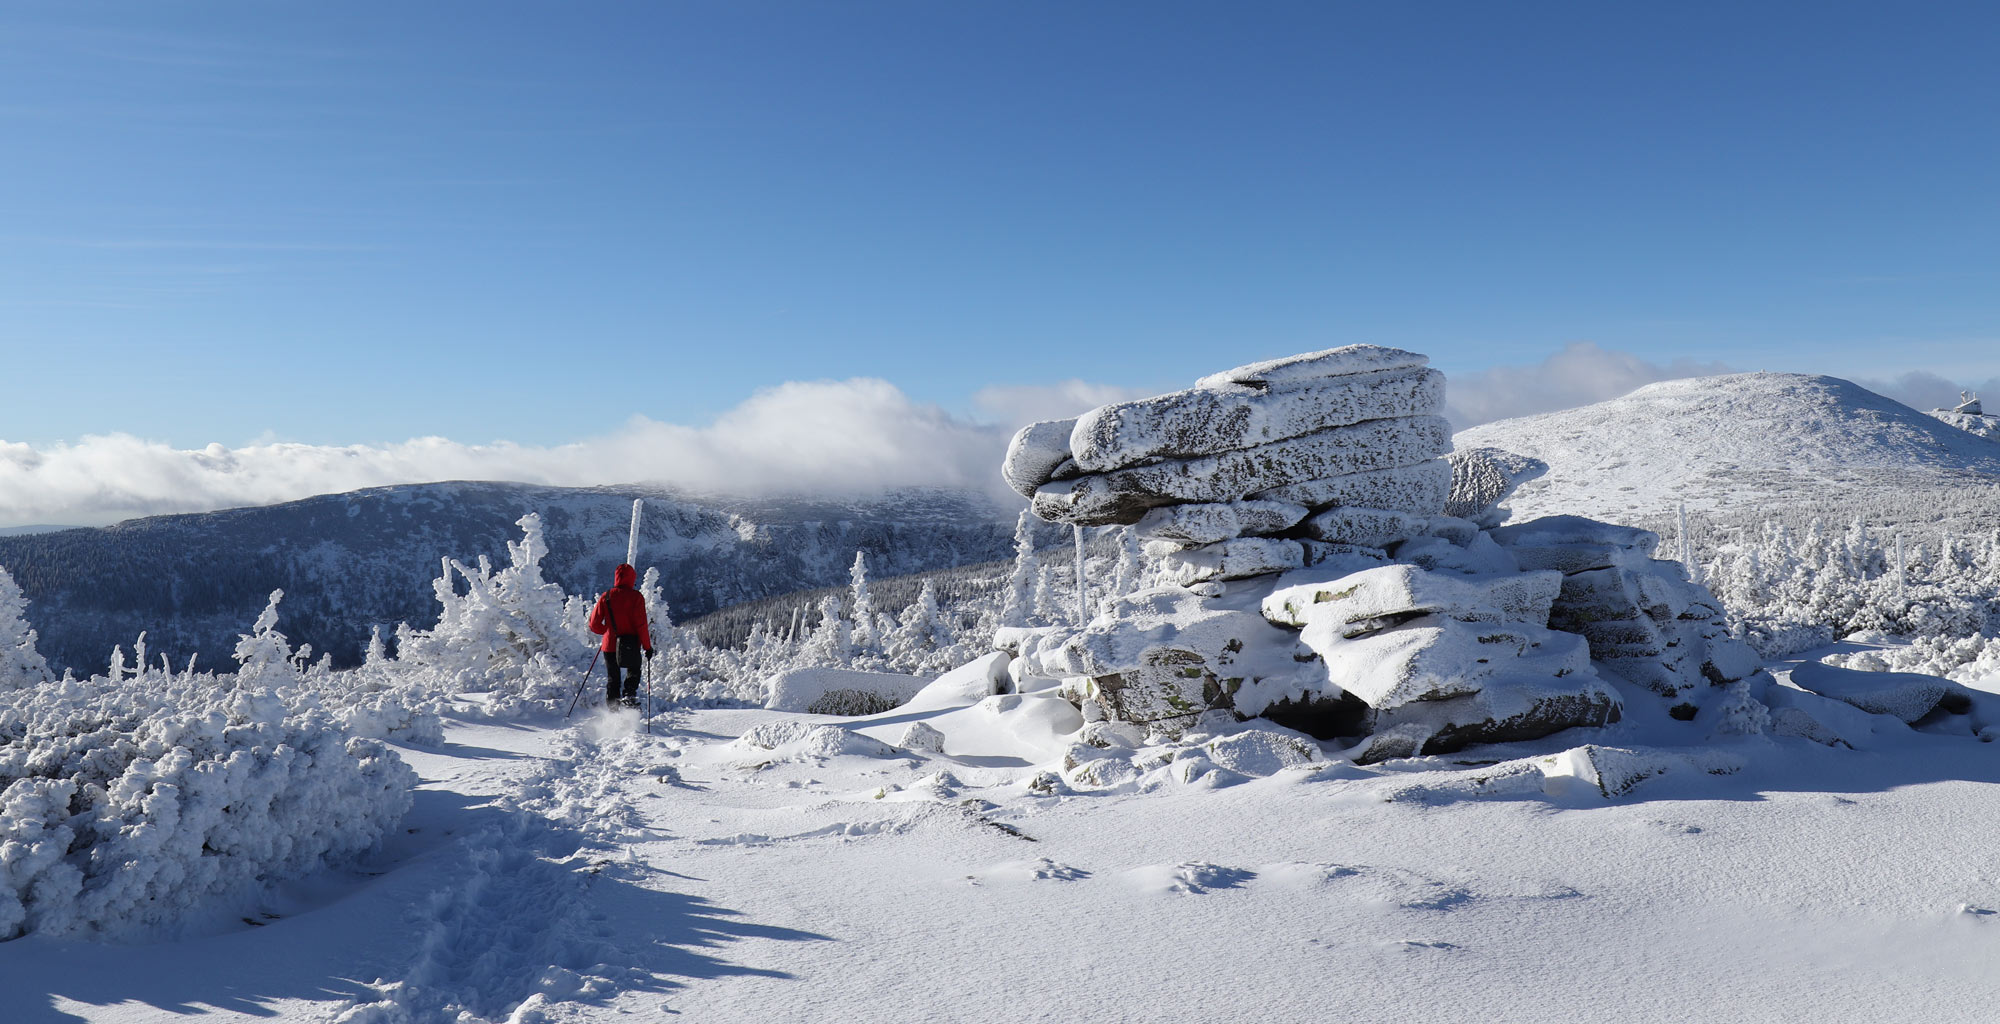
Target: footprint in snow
[
  {"x": 1191, "y": 877},
  {"x": 1428, "y": 946},
  {"x": 1039, "y": 870},
  {"x": 1305, "y": 875},
  {"x": 1442, "y": 898}
]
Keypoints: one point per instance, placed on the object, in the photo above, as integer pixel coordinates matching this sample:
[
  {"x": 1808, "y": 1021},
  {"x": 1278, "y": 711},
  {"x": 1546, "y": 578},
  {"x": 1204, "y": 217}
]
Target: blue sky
[{"x": 364, "y": 222}]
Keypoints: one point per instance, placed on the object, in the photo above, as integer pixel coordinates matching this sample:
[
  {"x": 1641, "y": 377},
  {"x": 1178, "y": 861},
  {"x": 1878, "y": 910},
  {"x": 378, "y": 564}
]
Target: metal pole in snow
[
  {"x": 1082, "y": 584},
  {"x": 632, "y": 542}
]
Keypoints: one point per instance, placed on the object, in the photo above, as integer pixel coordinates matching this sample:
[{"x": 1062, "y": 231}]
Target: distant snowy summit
[
  {"x": 1325, "y": 565},
  {"x": 1970, "y": 416},
  {"x": 1740, "y": 444}
]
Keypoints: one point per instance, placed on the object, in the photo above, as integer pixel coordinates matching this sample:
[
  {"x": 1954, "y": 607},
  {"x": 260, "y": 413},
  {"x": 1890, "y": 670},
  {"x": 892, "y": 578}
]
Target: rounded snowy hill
[{"x": 1750, "y": 444}]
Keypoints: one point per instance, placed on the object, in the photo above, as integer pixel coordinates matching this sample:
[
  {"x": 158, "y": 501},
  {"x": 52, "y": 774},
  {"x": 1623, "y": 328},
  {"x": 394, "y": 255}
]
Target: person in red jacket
[{"x": 620, "y": 616}]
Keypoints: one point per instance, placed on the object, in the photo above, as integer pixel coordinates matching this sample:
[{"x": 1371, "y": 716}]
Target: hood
[{"x": 625, "y": 576}]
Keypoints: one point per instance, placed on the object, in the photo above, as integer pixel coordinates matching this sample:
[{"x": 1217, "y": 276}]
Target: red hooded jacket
[{"x": 622, "y": 610}]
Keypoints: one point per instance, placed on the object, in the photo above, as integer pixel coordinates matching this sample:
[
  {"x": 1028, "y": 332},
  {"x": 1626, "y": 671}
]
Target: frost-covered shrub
[
  {"x": 1969, "y": 659},
  {"x": 1791, "y": 590},
  {"x": 1776, "y": 638},
  {"x": 510, "y": 634},
  {"x": 125, "y": 804}
]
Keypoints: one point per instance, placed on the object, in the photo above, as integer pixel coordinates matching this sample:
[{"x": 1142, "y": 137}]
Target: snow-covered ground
[
  {"x": 754, "y": 865},
  {"x": 1749, "y": 445}
]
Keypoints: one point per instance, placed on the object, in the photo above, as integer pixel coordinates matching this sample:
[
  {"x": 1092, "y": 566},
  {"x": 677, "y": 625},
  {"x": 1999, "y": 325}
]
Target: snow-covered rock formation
[
  {"x": 1222, "y": 480},
  {"x": 1970, "y": 416},
  {"x": 1328, "y": 568}
]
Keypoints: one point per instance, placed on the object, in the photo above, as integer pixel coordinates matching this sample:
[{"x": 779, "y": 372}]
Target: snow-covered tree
[
  {"x": 867, "y": 639},
  {"x": 832, "y": 642},
  {"x": 264, "y": 655},
  {"x": 378, "y": 651},
  {"x": 659, "y": 617},
  {"x": 20, "y": 664},
  {"x": 920, "y": 634},
  {"x": 1048, "y": 597}
]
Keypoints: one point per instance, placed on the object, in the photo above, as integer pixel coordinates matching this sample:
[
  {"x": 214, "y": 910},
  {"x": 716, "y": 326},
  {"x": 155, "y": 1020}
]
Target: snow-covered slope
[
  {"x": 350, "y": 561},
  {"x": 1741, "y": 444},
  {"x": 1972, "y": 423},
  {"x": 744, "y": 865}
]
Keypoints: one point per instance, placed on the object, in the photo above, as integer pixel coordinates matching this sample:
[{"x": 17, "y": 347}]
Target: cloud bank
[
  {"x": 1926, "y": 391},
  {"x": 1580, "y": 374},
  {"x": 827, "y": 437}
]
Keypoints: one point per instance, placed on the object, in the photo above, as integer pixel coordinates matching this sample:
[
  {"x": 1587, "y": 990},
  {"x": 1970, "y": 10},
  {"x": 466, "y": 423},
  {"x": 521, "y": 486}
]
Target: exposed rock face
[
  {"x": 1482, "y": 478},
  {"x": 1312, "y": 367},
  {"x": 1161, "y": 657},
  {"x": 1123, "y": 496},
  {"x": 1249, "y": 453},
  {"x": 1037, "y": 450},
  {"x": 1207, "y": 421},
  {"x": 1420, "y": 488},
  {"x": 1352, "y": 604},
  {"x": 1446, "y": 660},
  {"x": 1236, "y": 558},
  {"x": 1644, "y": 620},
  {"x": 1207, "y": 524}
]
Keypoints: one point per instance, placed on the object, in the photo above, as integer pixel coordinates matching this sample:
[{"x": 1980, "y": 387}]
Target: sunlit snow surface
[
  {"x": 752, "y": 865},
  {"x": 1746, "y": 444}
]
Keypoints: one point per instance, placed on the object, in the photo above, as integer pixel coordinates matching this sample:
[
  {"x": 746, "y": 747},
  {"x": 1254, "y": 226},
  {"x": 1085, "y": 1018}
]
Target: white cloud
[
  {"x": 1921, "y": 389},
  {"x": 1580, "y": 374},
  {"x": 823, "y": 437},
  {"x": 1017, "y": 406}
]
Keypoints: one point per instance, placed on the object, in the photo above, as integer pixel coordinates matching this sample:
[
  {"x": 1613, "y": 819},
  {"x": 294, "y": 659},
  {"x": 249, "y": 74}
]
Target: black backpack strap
[{"x": 611, "y": 612}]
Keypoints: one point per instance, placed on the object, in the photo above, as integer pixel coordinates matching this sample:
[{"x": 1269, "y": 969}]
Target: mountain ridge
[
  {"x": 1731, "y": 444},
  {"x": 353, "y": 560}
]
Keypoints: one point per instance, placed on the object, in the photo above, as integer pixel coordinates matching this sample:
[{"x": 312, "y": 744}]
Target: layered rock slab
[
  {"x": 1482, "y": 478},
  {"x": 1445, "y": 660},
  {"x": 1419, "y": 487},
  {"x": 1124, "y": 496},
  {"x": 1308, "y": 368},
  {"x": 1644, "y": 620},
  {"x": 1205, "y": 421},
  {"x": 1035, "y": 453},
  {"x": 1352, "y": 603},
  {"x": 1208, "y": 523}
]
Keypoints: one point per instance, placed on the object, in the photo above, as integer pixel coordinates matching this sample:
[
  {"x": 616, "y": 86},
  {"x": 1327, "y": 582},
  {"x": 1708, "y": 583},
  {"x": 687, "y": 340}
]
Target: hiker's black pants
[{"x": 624, "y": 660}]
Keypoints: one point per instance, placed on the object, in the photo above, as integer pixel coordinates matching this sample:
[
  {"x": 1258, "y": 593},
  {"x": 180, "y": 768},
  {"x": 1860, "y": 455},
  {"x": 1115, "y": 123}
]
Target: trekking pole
[
  {"x": 647, "y": 674},
  {"x": 580, "y": 682}
]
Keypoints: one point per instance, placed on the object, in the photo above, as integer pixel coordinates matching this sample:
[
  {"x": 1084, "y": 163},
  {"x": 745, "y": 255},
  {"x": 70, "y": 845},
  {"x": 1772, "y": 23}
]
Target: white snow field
[
  {"x": 1746, "y": 443},
  {"x": 819, "y": 872}
]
